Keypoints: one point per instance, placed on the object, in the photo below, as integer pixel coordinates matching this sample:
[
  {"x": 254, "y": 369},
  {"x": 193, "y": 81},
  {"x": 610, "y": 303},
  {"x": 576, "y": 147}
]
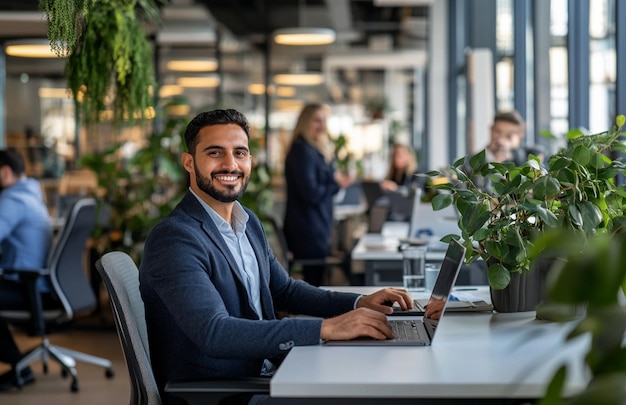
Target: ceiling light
[
  {"x": 30, "y": 48},
  {"x": 178, "y": 110},
  {"x": 192, "y": 65},
  {"x": 304, "y": 36},
  {"x": 286, "y": 91},
  {"x": 258, "y": 88},
  {"x": 54, "y": 92},
  {"x": 288, "y": 104},
  {"x": 169, "y": 90},
  {"x": 299, "y": 79},
  {"x": 205, "y": 81}
]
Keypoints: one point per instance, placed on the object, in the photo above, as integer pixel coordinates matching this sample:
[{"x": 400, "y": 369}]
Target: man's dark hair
[
  {"x": 510, "y": 116},
  {"x": 215, "y": 117},
  {"x": 14, "y": 160}
]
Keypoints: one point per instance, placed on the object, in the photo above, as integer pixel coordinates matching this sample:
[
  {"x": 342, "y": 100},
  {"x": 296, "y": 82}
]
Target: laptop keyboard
[{"x": 408, "y": 330}]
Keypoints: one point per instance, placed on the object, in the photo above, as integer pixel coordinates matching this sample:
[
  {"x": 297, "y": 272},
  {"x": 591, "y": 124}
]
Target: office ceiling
[{"x": 245, "y": 31}]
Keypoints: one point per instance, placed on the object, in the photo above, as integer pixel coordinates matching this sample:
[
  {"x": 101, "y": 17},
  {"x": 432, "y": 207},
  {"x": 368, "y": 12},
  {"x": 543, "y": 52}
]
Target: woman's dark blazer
[{"x": 311, "y": 186}]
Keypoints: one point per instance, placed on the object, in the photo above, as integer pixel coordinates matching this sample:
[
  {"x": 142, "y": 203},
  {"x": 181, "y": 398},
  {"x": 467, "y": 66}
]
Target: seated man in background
[
  {"x": 25, "y": 238},
  {"x": 212, "y": 286},
  {"x": 505, "y": 144}
]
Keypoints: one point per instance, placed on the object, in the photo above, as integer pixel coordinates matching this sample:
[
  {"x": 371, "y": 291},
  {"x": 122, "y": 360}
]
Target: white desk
[{"x": 474, "y": 355}]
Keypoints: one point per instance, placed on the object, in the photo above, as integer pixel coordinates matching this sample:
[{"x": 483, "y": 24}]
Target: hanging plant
[
  {"x": 65, "y": 22},
  {"x": 110, "y": 65}
]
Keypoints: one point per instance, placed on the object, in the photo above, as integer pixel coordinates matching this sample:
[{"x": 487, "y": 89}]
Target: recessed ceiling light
[
  {"x": 30, "y": 48},
  {"x": 203, "y": 81},
  {"x": 54, "y": 92},
  {"x": 192, "y": 65},
  {"x": 304, "y": 36},
  {"x": 285, "y": 91},
  {"x": 169, "y": 90},
  {"x": 299, "y": 79}
]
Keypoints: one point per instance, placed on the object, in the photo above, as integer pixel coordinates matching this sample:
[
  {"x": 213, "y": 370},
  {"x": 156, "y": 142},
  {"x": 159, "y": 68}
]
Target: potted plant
[
  {"x": 576, "y": 192},
  {"x": 377, "y": 107}
]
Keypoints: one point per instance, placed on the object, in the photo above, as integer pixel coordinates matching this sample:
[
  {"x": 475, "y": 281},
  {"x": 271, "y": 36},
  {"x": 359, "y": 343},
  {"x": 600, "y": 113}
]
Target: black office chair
[
  {"x": 292, "y": 265},
  {"x": 71, "y": 289},
  {"x": 121, "y": 278}
]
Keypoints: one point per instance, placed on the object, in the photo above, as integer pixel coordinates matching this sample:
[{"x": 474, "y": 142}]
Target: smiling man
[{"x": 211, "y": 284}]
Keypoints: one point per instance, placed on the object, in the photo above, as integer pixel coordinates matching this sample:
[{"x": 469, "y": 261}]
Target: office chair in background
[
  {"x": 66, "y": 273},
  {"x": 292, "y": 265},
  {"x": 121, "y": 278}
]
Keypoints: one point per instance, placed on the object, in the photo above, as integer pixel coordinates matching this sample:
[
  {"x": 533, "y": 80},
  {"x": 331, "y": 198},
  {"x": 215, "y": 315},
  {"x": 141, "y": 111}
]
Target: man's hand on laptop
[
  {"x": 382, "y": 300},
  {"x": 361, "y": 322}
]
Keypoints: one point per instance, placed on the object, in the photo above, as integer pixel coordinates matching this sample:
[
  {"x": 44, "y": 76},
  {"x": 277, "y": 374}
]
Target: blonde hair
[
  {"x": 394, "y": 172},
  {"x": 301, "y": 130}
]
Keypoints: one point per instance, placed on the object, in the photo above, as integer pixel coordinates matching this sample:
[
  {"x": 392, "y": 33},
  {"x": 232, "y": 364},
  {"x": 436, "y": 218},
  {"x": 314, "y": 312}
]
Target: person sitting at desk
[
  {"x": 401, "y": 175},
  {"x": 212, "y": 286},
  {"x": 25, "y": 238}
]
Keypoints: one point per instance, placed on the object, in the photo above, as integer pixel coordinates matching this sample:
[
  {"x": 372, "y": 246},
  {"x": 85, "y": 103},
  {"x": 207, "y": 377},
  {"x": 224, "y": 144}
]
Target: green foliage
[
  {"x": 575, "y": 193},
  {"x": 65, "y": 22},
  {"x": 258, "y": 196},
  {"x": 110, "y": 66},
  {"x": 140, "y": 191},
  {"x": 593, "y": 276}
]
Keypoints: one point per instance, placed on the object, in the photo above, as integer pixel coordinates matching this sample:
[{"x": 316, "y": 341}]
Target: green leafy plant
[
  {"x": 139, "y": 191},
  {"x": 65, "y": 22},
  {"x": 377, "y": 107},
  {"x": 258, "y": 196},
  {"x": 576, "y": 192},
  {"x": 345, "y": 160},
  {"x": 109, "y": 65},
  {"x": 593, "y": 276}
]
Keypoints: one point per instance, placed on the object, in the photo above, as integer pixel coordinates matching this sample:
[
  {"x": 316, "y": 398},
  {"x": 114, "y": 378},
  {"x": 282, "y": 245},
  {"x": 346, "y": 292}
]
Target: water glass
[
  {"x": 413, "y": 261},
  {"x": 431, "y": 272}
]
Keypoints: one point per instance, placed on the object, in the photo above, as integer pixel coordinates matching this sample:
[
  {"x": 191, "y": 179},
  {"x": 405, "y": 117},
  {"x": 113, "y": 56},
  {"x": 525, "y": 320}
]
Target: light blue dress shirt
[
  {"x": 239, "y": 246},
  {"x": 25, "y": 229}
]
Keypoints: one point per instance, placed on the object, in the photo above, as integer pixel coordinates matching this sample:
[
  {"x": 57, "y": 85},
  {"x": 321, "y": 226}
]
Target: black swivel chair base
[{"x": 65, "y": 357}]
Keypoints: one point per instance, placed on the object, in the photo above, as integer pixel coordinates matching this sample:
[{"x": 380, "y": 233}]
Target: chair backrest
[
  {"x": 281, "y": 239},
  {"x": 66, "y": 260},
  {"x": 121, "y": 278}
]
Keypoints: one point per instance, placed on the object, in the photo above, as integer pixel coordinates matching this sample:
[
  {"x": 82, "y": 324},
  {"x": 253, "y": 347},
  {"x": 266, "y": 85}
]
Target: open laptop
[
  {"x": 411, "y": 237},
  {"x": 372, "y": 192},
  {"x": 421, "y": 332}
]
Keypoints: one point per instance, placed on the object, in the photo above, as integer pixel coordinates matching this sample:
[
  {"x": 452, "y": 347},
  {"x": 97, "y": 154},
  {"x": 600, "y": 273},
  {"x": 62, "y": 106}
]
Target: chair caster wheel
[
  {"x": 109, "y": 373},
  {"x": 45, "y": 368},
  {"x": 74, "y": 386},
  {"x": 64, "y": 373}
]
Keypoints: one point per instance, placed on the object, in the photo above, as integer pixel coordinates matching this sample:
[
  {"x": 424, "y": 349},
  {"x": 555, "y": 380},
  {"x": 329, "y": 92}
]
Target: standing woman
[{"x": 312, "y": 181}]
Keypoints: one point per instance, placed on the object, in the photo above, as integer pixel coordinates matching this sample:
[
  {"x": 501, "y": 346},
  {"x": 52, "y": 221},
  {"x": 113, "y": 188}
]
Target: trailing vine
[
  {"x": 65, "y": 22},
  {"x": 110, "y": 65}
]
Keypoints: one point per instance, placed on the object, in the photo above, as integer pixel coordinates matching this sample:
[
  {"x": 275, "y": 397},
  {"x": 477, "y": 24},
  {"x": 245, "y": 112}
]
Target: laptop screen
[{"x": 443, "y": 286}]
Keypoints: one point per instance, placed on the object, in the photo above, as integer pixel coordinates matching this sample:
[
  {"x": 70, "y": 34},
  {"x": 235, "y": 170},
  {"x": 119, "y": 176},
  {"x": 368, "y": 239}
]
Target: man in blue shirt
[{"x": 25, "y": 238}]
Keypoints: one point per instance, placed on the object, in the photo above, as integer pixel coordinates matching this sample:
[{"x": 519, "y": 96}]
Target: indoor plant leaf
[
  {"x": 441, "y": 201},
  {"x": 546, "y": 187},
  {"x": 590, "y": 214},
  {"x": 498, "y": 276}
]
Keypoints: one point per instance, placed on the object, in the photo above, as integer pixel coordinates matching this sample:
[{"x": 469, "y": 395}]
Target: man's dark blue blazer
[{"x": 200, "y": 323}]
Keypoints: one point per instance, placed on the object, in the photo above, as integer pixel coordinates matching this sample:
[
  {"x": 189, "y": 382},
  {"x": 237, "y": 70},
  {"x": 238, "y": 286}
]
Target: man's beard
[{"x": 206, "y": 184}]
